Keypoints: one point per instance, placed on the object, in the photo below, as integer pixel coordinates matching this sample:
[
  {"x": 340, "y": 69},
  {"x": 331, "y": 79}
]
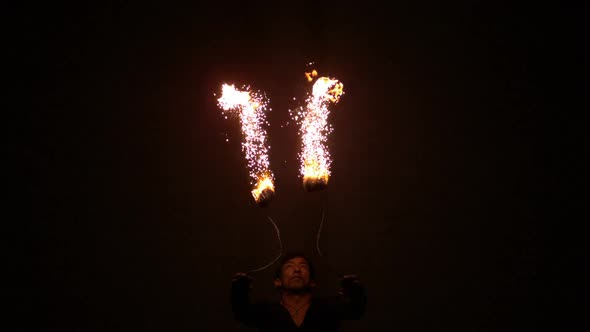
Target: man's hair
[{"x": 291, "y": 255}]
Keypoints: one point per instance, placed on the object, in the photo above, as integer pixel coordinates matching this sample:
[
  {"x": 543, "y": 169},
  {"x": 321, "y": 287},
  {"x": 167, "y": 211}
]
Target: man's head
[{"x": 295, "y": 273}]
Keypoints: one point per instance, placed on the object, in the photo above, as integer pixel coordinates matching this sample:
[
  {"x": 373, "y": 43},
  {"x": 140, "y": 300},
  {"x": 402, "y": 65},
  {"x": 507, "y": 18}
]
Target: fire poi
[
  {"x": 251, "y": 108},
  {"x": 314, "y": 131}
]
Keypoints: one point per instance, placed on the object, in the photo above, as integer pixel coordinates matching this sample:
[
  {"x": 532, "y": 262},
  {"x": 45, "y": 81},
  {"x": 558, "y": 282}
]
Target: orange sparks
[
  {"x": 314, "y": 130},
  {"x": 251, "y": 107}
]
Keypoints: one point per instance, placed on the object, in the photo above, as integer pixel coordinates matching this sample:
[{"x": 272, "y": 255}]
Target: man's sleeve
[{"x": 243, "y": 310}]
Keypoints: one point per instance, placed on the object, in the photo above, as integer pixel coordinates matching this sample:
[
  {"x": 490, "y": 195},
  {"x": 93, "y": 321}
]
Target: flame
[
  {"x": 264, "y": 183},
  {"x": 251, "y": 107},
  {"x": 314, "y": 129},
  {"x": 311, "y": 75}
]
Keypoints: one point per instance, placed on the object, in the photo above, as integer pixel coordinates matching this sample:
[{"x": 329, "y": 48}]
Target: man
[{"x": 298, "y": 309}]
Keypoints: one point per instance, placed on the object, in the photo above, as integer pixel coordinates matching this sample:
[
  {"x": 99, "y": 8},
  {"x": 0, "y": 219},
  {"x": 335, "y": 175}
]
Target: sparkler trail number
[{"x": 314, "y": 130}]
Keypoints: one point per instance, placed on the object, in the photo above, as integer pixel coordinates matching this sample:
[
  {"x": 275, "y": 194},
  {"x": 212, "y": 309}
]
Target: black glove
[
  {"x": 350, "y": 285},
  {"x": 242, "y": 281}
]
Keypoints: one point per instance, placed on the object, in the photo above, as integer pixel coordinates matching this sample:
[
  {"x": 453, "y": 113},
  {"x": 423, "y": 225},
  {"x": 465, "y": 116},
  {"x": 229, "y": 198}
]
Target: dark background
[{"x": 442, "y": 196}]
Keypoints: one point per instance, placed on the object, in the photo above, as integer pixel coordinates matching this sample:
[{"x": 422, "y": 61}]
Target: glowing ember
[
  {"x": 251, "y": 107},
  {"x": 314, "y": 130},
  {"x": 311, "y": 75}
]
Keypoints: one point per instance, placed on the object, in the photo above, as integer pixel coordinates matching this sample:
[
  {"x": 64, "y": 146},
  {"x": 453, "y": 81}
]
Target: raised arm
[
  {"x": 353, "y": 299},
  {"x": 244, "y": 311}
]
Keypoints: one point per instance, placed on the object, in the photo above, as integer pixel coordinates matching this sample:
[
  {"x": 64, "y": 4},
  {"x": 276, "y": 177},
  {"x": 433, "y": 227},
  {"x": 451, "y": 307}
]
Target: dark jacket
[{"x": 323, "y": 314}]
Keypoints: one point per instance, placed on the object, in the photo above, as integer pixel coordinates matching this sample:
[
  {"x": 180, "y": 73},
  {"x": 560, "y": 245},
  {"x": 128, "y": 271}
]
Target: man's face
[{"x": 295, "y": 275}]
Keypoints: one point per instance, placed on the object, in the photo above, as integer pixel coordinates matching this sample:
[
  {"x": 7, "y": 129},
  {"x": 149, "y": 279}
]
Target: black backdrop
[{"x": 441, "y": 146}]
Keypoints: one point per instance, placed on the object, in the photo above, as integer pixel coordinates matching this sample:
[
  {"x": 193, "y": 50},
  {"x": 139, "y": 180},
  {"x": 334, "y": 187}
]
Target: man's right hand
[
  {"x": 350, "y": 284},
  {"x": 242, "y": 280}
]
